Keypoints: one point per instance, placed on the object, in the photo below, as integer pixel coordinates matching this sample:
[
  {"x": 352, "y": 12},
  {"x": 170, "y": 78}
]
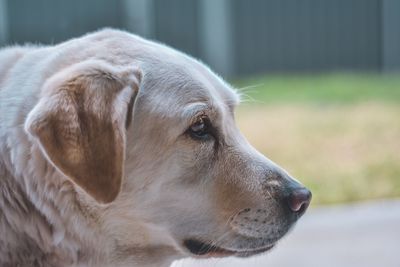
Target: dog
[{"x": 119, "y": 151}]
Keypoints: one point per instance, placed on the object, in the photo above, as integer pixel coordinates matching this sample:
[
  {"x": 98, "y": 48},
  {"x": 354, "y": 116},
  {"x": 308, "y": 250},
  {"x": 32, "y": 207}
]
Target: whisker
[
  {"x": 217, "y": 242},
  {"x": 251, "y": 100},
  {"x": 270, "y": 195},
  {"x": 244, "y": 98},
  {"x": 250, "y": 87}
]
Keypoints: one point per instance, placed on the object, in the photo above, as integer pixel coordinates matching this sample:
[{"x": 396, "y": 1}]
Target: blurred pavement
[{"x": 356, "y": 235}]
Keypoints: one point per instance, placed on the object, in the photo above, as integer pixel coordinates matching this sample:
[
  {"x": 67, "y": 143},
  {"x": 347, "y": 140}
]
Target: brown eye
[{"x": 200, "y": 129}]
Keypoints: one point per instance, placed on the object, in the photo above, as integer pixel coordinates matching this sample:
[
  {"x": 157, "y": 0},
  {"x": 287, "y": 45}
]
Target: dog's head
[{"x": 155, "y": 148}]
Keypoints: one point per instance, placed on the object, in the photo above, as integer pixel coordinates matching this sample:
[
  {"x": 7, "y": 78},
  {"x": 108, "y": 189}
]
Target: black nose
[{"x": 299, "y": 200}]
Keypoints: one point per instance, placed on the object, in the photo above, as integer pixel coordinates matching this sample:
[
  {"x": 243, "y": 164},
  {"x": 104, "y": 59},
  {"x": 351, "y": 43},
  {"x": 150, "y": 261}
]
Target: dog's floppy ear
[{"x": 80, "y": 122}]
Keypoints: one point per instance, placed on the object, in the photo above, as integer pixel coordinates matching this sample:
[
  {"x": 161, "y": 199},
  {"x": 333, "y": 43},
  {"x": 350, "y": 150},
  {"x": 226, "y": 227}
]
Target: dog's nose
[{"x": 299, "y": 199}]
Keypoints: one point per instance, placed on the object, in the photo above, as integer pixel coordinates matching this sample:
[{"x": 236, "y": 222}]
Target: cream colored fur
[{"x": 160, "y": 186}]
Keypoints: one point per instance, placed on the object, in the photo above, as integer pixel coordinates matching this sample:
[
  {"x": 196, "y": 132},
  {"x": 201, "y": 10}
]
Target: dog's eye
[{"x": 200, "y": 129}]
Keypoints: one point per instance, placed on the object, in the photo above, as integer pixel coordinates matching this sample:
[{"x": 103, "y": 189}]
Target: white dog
[{"x": 117, "y": 151}]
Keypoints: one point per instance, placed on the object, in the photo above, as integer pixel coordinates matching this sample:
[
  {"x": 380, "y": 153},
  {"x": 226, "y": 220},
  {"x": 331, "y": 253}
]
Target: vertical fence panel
[
  {"x": 215, "y": 35},
  {"x": 3, "y": 22},
  {"x": 138, "y": 17},
  {"x": 176, "y": 24},
  {"x": 391, "y": 35}
]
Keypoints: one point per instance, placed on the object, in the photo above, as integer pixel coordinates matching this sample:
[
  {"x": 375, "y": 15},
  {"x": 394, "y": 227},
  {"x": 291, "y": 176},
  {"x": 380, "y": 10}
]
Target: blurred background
[{"x": 321, "y": 93}]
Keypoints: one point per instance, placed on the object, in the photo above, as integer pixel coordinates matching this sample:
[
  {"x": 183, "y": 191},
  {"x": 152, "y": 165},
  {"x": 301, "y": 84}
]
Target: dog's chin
[{"x": 200, "y": 249}]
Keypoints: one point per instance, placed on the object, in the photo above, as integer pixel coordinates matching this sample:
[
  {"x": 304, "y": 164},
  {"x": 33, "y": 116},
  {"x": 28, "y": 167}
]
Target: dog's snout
[{"x": 299, "y": 199}]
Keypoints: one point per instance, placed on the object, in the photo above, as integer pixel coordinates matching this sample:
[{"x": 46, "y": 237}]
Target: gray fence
[{"x": 234, "y": 36}]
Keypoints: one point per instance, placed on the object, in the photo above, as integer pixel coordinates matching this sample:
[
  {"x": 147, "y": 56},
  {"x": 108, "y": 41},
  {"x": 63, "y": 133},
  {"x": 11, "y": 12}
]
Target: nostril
[{"x": 299, "y": 199}]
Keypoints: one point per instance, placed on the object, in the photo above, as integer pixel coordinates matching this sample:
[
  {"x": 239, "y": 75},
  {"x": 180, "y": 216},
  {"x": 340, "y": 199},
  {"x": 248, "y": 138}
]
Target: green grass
[
  {"x": 339, "y": 134},
  {"x": 321, "y": 88}
]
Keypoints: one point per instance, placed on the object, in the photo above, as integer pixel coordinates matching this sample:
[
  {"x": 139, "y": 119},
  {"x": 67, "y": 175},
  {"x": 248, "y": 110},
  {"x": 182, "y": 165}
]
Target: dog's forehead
[{"x": 169, "y": 90}]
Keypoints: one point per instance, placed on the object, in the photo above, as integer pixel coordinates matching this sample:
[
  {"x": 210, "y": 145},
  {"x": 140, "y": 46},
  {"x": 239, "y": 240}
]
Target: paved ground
[{"x": 359, "y": 235}]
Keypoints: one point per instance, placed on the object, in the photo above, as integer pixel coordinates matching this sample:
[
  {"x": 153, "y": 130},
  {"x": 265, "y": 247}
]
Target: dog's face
[
  {"x": 193, "y": 175},
  {"x": 173, "y": 169}
]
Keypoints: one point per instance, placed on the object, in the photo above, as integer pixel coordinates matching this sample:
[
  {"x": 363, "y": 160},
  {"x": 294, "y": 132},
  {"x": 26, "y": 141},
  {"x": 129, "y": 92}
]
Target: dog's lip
[{"x": 204, "y": 249}]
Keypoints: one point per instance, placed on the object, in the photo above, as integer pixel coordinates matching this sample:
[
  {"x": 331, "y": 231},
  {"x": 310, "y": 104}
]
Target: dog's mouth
[{"x": 203, "y": 249}]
